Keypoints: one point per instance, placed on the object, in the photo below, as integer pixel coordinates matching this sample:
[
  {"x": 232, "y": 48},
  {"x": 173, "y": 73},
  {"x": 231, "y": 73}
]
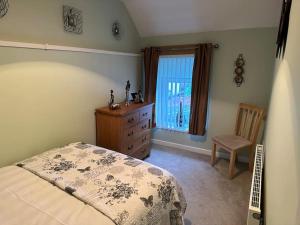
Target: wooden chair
[{"x": 248, "y": 122}]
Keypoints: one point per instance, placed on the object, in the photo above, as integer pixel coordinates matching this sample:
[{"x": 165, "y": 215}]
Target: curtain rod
[{"x": 183, "y": 47}]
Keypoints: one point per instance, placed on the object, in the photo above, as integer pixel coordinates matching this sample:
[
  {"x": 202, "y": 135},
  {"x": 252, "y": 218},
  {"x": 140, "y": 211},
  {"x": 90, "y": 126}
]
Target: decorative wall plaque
[
  {"x": 239, "y": 70},
  {"x": 72, "y": 19},
  {"x": 4, "y": 5}
]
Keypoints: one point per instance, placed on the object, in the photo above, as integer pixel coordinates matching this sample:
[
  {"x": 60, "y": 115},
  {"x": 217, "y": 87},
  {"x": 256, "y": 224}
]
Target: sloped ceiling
[{"x": 161, "y": 17}]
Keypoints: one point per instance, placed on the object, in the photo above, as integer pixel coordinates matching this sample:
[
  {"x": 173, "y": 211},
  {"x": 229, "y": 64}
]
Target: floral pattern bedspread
[{"x": 127, "y": 190}]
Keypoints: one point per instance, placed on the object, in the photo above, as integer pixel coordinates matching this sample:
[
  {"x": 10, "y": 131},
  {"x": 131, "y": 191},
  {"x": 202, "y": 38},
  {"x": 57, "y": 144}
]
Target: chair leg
[
  {"x": 232, "y": 164},
  {"x": 251, "y": 159},
  {"x": 213, "y": 154},
  {"x": 236, "y": 159}
]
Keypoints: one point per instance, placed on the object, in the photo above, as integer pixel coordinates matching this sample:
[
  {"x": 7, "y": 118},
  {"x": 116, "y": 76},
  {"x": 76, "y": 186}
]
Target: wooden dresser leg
[
  {"x": 232, "y": 164},
  {"x": 213, "y": 154}
]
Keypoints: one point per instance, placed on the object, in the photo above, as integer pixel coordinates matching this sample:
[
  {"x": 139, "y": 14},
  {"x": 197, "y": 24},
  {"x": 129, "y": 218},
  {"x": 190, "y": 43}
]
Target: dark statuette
[
  {"x": 112, "y": 98},
  {"x": 111, "y": 104},
  {"x": 140, "y": 98},
  {"x": 134, "y": 96},
  {"x": 137, "y": 97},
  {"x": 127, "y": 89}
]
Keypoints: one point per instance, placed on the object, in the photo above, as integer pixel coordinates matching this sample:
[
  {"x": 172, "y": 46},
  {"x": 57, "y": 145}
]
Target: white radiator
[{"x": 254, "y": 212}]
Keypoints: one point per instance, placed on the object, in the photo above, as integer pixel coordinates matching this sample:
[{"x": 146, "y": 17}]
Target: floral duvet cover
[{"x": 127, "y": 190}]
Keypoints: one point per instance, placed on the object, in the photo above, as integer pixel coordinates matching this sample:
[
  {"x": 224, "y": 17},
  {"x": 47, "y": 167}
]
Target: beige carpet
[{"x": 212, "y": 198}]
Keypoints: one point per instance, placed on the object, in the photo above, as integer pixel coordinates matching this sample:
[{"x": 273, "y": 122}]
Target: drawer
[
  {"x": 144, "y": 139},
  {"x": 130, "y": 147},
  {"x": 130, "y": 133},
  {"x": 141, "y": 153},
  {"x": 144, "y": 125},
  {"x": 145, "y": 113},
  {"x": 131, "y": 119}
]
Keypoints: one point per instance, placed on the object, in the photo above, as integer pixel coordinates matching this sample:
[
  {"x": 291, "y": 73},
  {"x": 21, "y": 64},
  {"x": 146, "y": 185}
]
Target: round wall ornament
[
  {"x": 240, "y": 61},
  {"x": 239, "y": 70},
  {"x": 116, "y": 30},
  {"x": 4, "y": 5}
]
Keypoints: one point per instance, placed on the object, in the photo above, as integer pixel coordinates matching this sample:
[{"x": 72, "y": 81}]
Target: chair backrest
[{"x": 249, "y": 119}]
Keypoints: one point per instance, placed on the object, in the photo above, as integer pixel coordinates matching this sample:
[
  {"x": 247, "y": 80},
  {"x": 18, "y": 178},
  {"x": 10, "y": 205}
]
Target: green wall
[
  {"x": 48, "y": 98},
  {"x": 257, "y": 46},
  {"x": 40, "y": 21},
  {"x": 282, "y": 142}
]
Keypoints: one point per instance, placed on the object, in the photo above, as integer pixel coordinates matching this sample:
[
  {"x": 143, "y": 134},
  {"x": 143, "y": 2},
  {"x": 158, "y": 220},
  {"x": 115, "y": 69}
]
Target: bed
[{"x": 85, "y": 184}]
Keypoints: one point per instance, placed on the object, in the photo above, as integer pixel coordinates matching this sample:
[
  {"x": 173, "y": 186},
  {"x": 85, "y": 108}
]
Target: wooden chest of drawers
[{"x": 126, "y": 130}]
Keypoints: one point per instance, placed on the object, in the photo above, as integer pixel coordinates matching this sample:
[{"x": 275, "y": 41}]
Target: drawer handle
[
  {"x": 144, "y": 126},
  {"x": 130, "y": 147},
  {"x": 145, "y": 114},
  {"x": 130, "y": 133},
  {"x": 130, "y": 120}
]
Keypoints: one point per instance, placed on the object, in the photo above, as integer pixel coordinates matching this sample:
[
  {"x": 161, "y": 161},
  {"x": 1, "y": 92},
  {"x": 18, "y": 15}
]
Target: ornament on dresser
[
  {"x": 239, "y": 70},
  {"x": 112, "y": 98},
  {"x": 127, "y": 89},
  {"x": 134, "y": 97},
  {"x": 4, "y": 5},
  {"x": 72, "y": 19},
  {"x": 139, "y": 97},
  {"x": 111, "y": 102}
]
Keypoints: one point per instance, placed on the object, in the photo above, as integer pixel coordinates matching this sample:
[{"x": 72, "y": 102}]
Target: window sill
[{"x": 173, "y": 130}]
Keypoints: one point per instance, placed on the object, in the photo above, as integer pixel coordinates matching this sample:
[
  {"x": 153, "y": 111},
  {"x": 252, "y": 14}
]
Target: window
[{"x": 173, "y": 92}]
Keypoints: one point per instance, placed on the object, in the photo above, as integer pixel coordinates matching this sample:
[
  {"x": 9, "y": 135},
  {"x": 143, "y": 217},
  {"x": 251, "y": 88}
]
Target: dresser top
[{"x": 124, "y": 110}]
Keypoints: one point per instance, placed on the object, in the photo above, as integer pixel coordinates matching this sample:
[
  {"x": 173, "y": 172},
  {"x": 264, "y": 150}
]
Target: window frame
[{"x": 176, "y": 53}]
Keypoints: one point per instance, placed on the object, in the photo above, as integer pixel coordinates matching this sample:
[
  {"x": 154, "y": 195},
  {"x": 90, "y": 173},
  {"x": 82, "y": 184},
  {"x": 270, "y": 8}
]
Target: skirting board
[{"x": 202, "y": 151}]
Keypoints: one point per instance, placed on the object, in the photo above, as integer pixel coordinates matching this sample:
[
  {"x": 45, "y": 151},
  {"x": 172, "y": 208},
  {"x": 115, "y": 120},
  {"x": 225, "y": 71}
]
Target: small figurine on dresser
[
  {"x": 111, "y": 102},
  {"x": 112, "y": 98},
  {"x": 140, "y": 97},
  {"x": 127, "y": 88},
  {"x": 137, "y": 97}
]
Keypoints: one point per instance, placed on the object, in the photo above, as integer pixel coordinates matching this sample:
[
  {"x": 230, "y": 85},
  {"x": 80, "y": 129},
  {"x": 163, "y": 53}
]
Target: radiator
[{"x": 254, "y": 212}]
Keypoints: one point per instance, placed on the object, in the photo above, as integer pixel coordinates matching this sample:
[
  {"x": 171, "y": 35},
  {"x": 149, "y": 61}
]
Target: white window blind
[{"x": 173, "y": 92}]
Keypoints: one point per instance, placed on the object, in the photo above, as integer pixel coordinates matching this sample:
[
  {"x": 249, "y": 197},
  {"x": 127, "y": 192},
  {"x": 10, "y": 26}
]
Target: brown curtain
[
  {"x": 151, "y": 58},
  {"x": 200, "y": 85}
]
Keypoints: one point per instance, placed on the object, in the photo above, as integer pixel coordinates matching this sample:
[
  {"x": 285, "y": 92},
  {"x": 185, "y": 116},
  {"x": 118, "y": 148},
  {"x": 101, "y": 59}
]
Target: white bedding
[{"x": 29, "y": 200}]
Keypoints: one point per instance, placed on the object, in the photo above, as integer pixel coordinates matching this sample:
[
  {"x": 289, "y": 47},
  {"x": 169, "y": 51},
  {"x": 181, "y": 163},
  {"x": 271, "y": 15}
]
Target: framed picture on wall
[{"x": 72, "y": 19}]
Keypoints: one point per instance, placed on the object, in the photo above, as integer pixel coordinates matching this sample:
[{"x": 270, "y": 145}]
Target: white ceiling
[{"x": 160, "y": 17}]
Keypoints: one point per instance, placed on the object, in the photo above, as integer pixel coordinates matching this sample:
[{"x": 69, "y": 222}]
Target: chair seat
[{"x": 231, "y": 142}]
